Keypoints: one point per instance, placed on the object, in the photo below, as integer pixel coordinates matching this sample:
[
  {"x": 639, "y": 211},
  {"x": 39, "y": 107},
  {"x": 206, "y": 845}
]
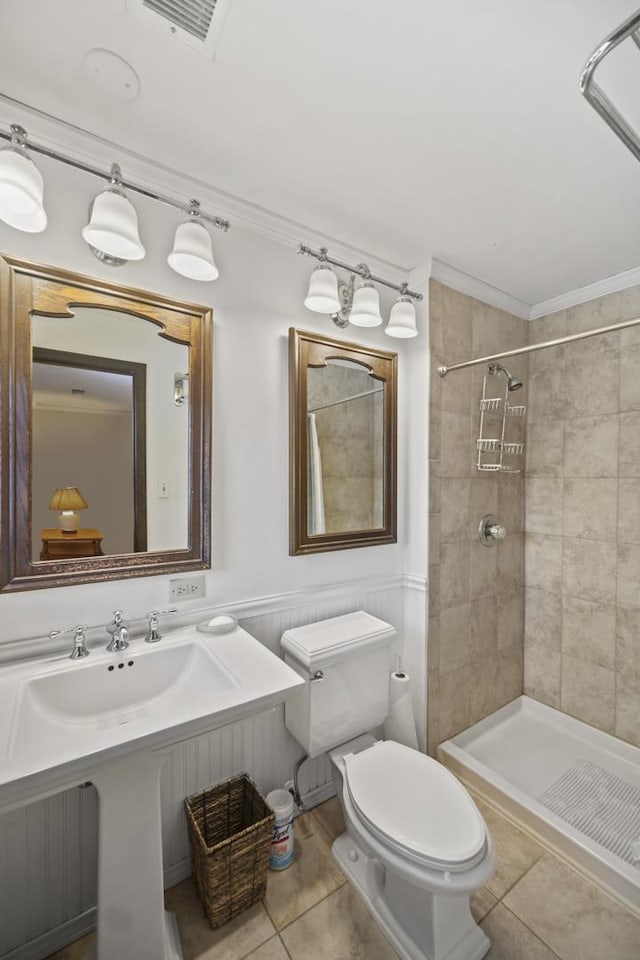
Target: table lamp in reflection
[{"x": 67, "y": 500}]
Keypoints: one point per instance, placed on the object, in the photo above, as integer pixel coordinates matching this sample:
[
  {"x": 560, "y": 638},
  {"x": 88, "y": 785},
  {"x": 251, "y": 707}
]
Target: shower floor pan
[{"x": 576, "y": 788}]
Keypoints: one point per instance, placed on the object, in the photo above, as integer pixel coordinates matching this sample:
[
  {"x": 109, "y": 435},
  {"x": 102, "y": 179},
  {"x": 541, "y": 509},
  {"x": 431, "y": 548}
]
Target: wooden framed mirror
[
  {"x": 88, "y": 403},
  {"x": 343, "y": 439}
]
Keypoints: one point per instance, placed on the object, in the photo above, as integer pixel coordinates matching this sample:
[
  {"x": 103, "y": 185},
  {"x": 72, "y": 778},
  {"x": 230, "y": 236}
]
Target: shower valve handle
[{"x": 490, "y": 531}]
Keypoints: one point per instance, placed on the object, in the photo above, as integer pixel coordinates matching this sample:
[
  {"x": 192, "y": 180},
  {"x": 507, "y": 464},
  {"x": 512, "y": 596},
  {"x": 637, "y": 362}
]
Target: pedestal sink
[{"x": 106, "y": 719}]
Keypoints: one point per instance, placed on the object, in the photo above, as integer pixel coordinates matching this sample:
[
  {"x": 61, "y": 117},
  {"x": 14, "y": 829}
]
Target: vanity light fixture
[
  {"x": 180, "y": 388},
  {"x": 21, "y": 185},
  {"x": 192, "y": 253},
  {"x": 345, "y": 303},
  {"x": 67, "y": 500},
  {"x": 112, "y": 231}
]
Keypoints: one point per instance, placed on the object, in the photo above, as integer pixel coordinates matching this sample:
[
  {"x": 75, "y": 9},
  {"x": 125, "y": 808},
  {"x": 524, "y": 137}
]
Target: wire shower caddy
[{"x": 497, "y": 449}]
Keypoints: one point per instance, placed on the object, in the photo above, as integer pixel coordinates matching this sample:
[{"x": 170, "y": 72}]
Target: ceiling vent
[
  {"x": 196, "y": 23},
  {"x": 192, "y": 16}
]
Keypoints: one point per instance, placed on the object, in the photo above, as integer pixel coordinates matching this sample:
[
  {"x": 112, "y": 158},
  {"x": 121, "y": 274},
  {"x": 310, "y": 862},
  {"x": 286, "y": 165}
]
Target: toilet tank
[{"x": 346, "y": 662}]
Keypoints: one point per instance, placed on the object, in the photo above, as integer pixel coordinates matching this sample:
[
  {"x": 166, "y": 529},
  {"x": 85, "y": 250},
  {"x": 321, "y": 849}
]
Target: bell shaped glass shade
[
  {"x": 113, "y": 226},
  {"x": 21, "y": 191},
  {"x": 323, "y": 291},
  {"x": 365, "y": 311},
  {"x": 192, "y": 254},
  {"x": 402, "y": 319}
]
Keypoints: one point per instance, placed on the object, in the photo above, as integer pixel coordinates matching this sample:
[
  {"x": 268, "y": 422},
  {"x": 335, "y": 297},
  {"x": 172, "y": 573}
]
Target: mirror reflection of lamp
[
  {"x": 67, "y": 500},
  {"x": 180, "y": 388}
]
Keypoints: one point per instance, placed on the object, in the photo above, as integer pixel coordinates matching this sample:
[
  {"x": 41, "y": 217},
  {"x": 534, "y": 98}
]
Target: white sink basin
[
  {"x": 58, "y": 718},
  {"x": 112, "y": 693},
  {"x": 107, "y": 719}
]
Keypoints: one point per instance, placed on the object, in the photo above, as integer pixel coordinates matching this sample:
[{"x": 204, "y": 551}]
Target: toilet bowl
[
  {"x": 416, "y": 845},
  {"x": 415, "y": 848}
]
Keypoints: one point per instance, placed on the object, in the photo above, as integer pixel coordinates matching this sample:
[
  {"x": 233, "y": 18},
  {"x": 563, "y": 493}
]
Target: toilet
[{"x": 416, "y": 845}]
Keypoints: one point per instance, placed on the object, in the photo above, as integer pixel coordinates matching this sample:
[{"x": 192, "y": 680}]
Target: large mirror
[
  {"x": 342, "y": 444},
  {"x": 105, "y": 427}
]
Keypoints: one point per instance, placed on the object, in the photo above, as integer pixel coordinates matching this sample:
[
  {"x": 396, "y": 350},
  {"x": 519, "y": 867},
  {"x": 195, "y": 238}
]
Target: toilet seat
[{"x": 414, "y": 805}]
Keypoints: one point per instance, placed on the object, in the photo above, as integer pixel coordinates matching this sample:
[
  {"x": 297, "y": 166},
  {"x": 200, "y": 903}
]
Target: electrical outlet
[{"x": 186, "y": 588}]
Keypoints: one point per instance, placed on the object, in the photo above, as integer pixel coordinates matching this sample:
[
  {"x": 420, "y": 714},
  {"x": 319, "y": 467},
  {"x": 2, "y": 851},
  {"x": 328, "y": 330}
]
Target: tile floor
[{"x": 535, "y": 907}]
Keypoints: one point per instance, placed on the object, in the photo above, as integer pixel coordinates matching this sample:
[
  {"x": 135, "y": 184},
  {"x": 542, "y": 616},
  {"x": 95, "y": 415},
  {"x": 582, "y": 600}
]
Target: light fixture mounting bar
[
  {"x": 107, "y": 175},
  {"x": 361, "y": 270}
]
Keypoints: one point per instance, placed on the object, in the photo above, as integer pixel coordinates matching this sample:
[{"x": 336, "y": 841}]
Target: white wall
[{"x": 256, "y": 299}]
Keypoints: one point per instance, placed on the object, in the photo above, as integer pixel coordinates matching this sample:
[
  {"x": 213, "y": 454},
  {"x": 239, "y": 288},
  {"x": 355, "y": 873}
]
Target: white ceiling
[{"x": 408, "y": 129}]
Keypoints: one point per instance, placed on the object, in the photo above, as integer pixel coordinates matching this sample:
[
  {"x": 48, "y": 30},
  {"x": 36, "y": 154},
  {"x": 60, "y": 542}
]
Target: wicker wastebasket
[{"x": 230, "y": 831}]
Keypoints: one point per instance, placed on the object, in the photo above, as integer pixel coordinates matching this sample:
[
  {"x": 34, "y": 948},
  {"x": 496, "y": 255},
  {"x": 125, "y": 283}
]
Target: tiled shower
[{"x": 554, "y": 610}]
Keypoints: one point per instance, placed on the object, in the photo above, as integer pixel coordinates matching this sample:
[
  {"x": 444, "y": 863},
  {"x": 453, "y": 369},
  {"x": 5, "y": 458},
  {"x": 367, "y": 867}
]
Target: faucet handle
[
  {"x": 118, "y": 622},
  {"x": 153, "y": 633},
  {"x": 79, "y": 646}
]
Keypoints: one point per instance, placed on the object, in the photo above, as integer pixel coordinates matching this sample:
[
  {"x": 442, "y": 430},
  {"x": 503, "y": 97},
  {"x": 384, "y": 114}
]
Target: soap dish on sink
[{"x": 218, "y": 625}]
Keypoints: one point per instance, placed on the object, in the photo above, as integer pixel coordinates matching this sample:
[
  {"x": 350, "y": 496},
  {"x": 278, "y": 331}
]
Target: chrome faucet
[
  {"x": 153, "y": 632},
  {"x": 79, "y": 651},
  {"x": 119, "y": 633}
]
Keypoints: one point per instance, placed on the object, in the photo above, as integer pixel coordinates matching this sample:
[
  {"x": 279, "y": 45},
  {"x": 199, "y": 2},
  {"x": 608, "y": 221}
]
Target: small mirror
[
  {"x": 343, "y": 444},
  {"x": 104, "y": 433}
]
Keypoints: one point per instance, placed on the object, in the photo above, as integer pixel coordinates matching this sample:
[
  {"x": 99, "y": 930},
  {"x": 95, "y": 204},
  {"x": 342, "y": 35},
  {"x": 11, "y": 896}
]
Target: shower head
[{"x": 512, "y": 382}]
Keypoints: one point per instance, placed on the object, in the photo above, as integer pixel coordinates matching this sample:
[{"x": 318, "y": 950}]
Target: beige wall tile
[
  {"x": 483, "y": 693},
  {"x": 436, "y": 318},
  {"x": 456, "y": 445},
  {"x": 433, "y": 598},
  {"x": 433, "y": 644},
  {"x": 454, "y": 574},
  {"x": 456, "y": 338},
  {"x": 543, "y": 506},
  {"x": 627, "y": 712},
  {"x": 484, "y": 627},
  {"x": 543, "y": 618},
  {"x": 589, "y": 570},
  {"x": 455, "y": 392},
  {"x": 629, "y": 310},
  {"x": 434, "y": 486},
  {"x": 628, "y": 644},
  {"x": 483, "y": 570},
  {"x": 629, "y": 379},
  {"x": 454, "y": 515},
  {"x": 483, "y": 500},
  {"x": 547, "y": 389},
  {"x": 592, "y": 376},
  {"x": 456, "y": 690},
  {"x": 510, "y": 674},
  {"x": 600, "y": 312},
  {"x": 455, "y": 638},
  {"x": 510, "y": 555},
  {"x": 590, "y": 509},
  {"x": 551, "y": 327},
  {"x": 588, "y": 692},
  {"x": 511, "y": 939},
  {"x": 589, "y": 631},
  {"x": 629, "y": 511},
  {"x": 542, "y": 668},
  {"x": 591, "y": 447},
  {"x": 511, "y": 492},
  {"x": 574, "y": 917},
  {"x": 543, "y": 562},
  {"x": 630, "y": 444},
  {"x": 510, "y": 619},
  {"x": 629, "y": 575},
  {"x": 545, "y": 448}
]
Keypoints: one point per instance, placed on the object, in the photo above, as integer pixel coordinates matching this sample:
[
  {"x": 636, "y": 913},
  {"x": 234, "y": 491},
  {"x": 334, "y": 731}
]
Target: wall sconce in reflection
[
  {"x": 180, "y": 388},
  {"x": 67, "y": 500}
]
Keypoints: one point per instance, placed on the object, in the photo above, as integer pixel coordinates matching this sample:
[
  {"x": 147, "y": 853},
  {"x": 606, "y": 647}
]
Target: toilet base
[{"x": 367, "y": 876}]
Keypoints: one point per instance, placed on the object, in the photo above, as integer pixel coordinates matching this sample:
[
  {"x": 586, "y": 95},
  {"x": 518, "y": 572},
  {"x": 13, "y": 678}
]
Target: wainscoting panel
[{"x": 48, "y": 850}]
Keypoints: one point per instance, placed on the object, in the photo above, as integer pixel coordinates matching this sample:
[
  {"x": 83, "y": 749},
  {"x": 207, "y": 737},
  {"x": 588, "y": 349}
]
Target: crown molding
[
  {"x": 473, "y": 287},
  {"x": 74, "y": 141},
  {"x": 600, "y": 288}
]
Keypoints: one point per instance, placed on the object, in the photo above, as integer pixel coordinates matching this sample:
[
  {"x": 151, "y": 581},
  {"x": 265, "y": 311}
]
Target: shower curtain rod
[
  {"x": 356, "y": 396},
  {"x": 599, "y": 331}
]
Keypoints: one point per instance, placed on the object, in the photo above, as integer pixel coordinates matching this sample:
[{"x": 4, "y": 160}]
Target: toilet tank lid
[{"x": 327, "y": 640}]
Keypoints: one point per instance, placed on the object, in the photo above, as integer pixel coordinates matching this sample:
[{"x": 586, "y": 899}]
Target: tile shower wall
[
  {"x": 582, "y": 633},
  {"x": 475, "y": 640}
]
